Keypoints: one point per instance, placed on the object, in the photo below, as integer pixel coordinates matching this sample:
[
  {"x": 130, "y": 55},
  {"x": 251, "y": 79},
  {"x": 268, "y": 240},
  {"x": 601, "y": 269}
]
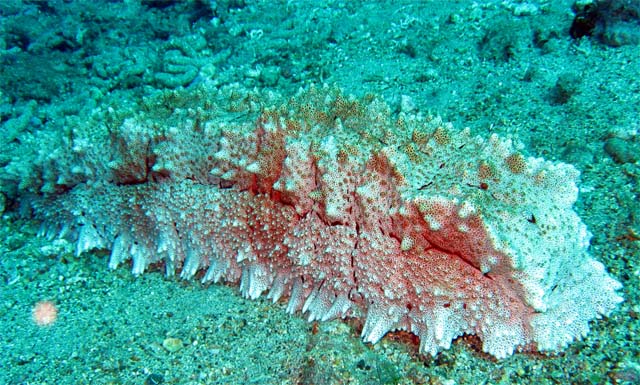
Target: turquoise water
[{"x": 505, "y": 67}]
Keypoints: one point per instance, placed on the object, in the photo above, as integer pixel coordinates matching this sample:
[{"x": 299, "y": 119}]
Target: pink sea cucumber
[{"x": 335, "y": 204}]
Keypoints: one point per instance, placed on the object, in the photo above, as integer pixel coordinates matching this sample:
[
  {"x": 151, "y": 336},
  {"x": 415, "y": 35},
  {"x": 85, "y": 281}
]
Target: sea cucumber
[{"x": 333, "y": 203}]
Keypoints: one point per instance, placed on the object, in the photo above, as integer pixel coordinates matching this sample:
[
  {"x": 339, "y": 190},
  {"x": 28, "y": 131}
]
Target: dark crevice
[{"x": 459, "y": 256}]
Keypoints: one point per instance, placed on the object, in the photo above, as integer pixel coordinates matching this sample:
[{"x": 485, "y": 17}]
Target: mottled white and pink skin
[{"x": 346, "y": 211}]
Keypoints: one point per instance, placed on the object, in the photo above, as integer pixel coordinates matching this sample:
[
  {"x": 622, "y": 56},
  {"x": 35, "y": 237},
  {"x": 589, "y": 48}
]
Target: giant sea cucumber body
[{"x": 339, "y": 207}]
